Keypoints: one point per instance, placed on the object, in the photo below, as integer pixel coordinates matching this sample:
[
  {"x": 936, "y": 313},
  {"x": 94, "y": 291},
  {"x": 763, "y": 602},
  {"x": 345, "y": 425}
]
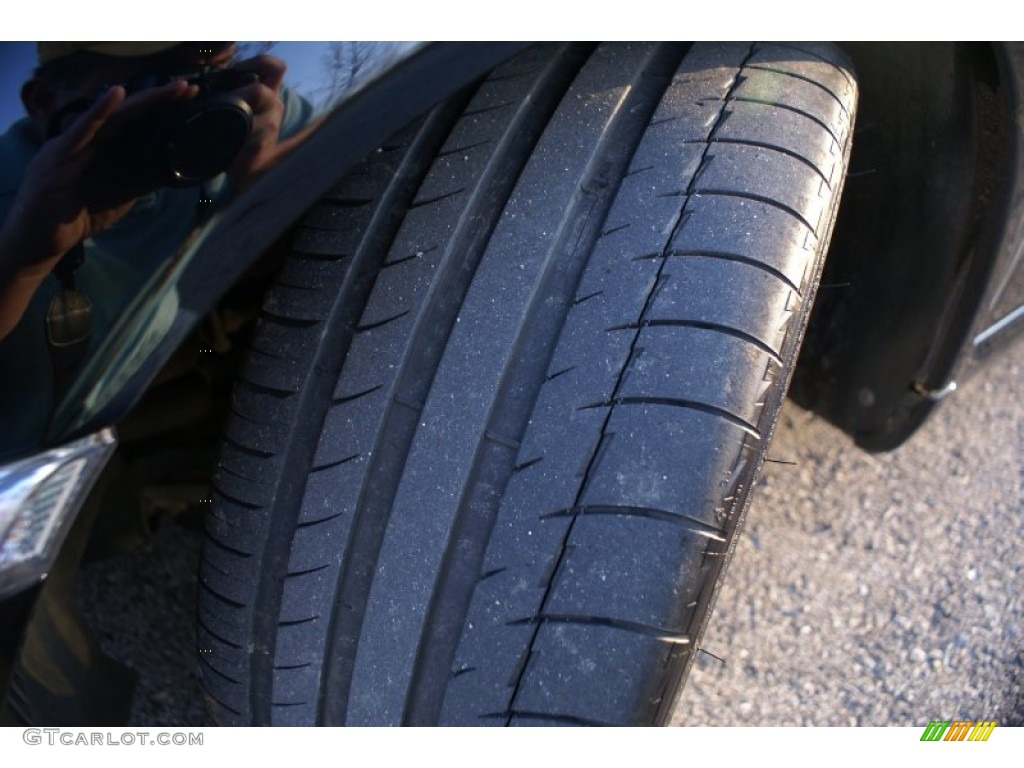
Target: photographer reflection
[{"x": 126, "y": 149}]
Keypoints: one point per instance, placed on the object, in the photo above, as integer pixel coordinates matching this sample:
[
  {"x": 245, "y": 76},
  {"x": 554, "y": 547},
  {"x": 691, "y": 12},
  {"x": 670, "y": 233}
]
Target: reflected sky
[
  {"x": 313, "y": 69},
  {"x": 16, "y": 62}
]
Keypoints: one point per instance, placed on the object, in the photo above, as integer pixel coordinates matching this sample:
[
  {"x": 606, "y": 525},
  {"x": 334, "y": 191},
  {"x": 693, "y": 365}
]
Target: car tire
[{"x": 508, "y": 396}]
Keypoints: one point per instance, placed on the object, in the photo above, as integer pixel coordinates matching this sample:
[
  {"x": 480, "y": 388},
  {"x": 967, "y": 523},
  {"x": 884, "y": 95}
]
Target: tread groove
[
  {"x": 307, "y": 254},
  {"x": 216, "y": 569},
  {"x": 380, "y": 323},
  {"x": 310, "y": 523},
  {"x": 345, "y": 201},
  {"x": 717, "y": 327},
  {"x": 790, "y": 108},
  {"x": 288, "y": 322},
  {"x": 648, "y": 513},
  {"x": 333, "y": 464},
  {"x": 805, "y": 79},
  {"x": 279, "y": 283},
  {"x": 676, "y": 402},
  {"x": 466, "y": 148},
  {"x": 527, "y": 464},
  {"x": 510, "y": 714},
  {"x": 229, "y": 471},
  {"x": 356, "y": 396},
  {"x": 263, "y": 353},
  {"x": 556, "y": 374},
  {"x": 817, "y": 56},
  {"x": 236, "y": 413},
  {"x": 233, "y": 499},
  {"x": 588, "y": 297},
  {"x": 227, "y": 548},
  {"x": 659, "y": 633},
  {"x": 209, "y": 665},
  {"x": 491, "y": 108},
  {"x": 247, "y": 450},
  {"x": 495, "y": 78},
  {"x": 435, "y": 199},
  {"x": 417, "y": 255},
  {"x": 760, "y": 199},
  {"x": 304, "y": 571},
  {"x": 493, "y": 572},
  {"x": 776, "y": 148},
  {"x": 220, "y": 638},
  {"x": 263, "y": 389},
  {"x": 739, "y": 258},
  {"x": 613, "y": 230}
]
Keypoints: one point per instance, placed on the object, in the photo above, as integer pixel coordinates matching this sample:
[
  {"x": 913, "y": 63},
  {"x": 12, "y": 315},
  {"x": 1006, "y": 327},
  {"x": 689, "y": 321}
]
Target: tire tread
[{"x": 522, "y": 363}]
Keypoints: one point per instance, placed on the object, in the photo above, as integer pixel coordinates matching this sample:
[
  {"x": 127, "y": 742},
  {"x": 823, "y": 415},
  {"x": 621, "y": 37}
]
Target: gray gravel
[
  {"x": 141, "y": 608},
  {"x": 866, "y": 590},
  {"x": 878, "y": 589}
]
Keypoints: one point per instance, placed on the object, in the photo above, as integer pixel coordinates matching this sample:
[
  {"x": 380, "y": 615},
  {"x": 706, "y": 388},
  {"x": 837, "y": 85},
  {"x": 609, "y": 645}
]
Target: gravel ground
[
  {"x": 866, "y": 590},
  {"x": 879, "y": 589},
  {"x": 142, "y": 610}
]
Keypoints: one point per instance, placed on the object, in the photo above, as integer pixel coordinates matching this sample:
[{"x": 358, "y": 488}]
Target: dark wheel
[{"x": 508, "y": 396}]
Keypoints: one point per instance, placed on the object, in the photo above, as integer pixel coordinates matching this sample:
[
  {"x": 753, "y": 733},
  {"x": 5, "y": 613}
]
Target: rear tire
[{"x": 507, "y": 398}]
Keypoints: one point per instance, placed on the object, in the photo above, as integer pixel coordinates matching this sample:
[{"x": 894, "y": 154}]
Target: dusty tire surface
[{"x": 506, "y": 399}]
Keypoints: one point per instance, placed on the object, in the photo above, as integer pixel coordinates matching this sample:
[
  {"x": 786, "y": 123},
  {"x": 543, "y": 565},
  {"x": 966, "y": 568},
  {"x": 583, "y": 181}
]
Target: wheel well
[{"x": 916, "y": 237}]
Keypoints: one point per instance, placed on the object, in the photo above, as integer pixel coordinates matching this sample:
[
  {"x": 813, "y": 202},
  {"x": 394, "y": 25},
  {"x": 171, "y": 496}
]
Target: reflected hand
[
  {"x": 74, "y": 188},
  {"x": 262, "y": 148}
]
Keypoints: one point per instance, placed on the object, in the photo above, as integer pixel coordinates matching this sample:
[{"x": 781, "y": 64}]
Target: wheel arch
[{"x": 925, "y": 229}]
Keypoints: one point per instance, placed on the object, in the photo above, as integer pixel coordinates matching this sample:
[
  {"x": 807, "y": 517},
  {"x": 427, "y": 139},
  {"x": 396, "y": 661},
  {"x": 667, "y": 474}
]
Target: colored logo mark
[{"x": 958, "y": 730}]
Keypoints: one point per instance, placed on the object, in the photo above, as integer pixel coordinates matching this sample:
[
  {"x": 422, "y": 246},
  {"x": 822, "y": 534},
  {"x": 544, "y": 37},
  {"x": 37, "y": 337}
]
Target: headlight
[{"x": 39, "y": 498}]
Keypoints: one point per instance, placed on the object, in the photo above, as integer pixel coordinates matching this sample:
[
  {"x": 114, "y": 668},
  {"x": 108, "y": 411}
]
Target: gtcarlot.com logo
[{"x": 73, "y": 738}]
